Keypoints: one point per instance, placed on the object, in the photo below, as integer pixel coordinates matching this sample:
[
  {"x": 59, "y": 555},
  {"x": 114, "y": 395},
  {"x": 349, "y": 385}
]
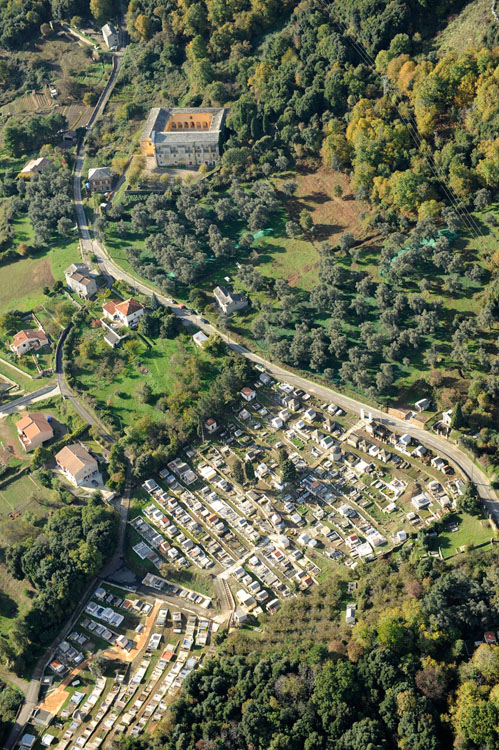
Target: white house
[
  {"x": 438, "y": 463},
  {"x": 310, "y": 415},
  {"x": 125, "y": 313},
  {"x": 200, "y": 338},
  {"x": 350, "y": 614},
  {"x": 276, "y": 423},
  {"x": 110, "y": 35},
  {"x": 262, "y": 470},
  {"x": 78, "y": 465},
  {"x": 211, "y": 425},
  {"x": 248, "y": 393},
  {"x": 80, "y": 280},
  {"x": 447, "y": 417},
  {"x": 228, "y": 301},
  {"x": 26, "y": 340},
  {"x": 422, "y": 404}
]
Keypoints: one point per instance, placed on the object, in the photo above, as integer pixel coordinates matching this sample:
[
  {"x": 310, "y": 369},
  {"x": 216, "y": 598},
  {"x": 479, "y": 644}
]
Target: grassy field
[
  {"x": 23, "y": 280},
  {"x": 471, "y": 531},
  {"x": 25, "y": 495},
  {"x": 466, "y": 28},
  {"x": 158, "y": 362},
  {"x": 15, "y": 599}
]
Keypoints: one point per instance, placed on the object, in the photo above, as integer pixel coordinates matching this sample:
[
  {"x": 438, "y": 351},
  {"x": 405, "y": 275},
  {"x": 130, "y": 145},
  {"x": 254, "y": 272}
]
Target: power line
[{"x": 457, "y": 204}]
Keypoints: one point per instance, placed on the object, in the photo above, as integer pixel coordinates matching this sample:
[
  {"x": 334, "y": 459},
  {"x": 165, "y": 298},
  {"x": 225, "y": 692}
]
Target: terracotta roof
[
  {"x": 129, "y": 306},
  {"x": 25, "y": 335},
  {"x": 126, "y": 308},
  {"x": 74, "y": 457},
  {"x": 33, "y": 425},
  {"x": 110, "y": 307}
]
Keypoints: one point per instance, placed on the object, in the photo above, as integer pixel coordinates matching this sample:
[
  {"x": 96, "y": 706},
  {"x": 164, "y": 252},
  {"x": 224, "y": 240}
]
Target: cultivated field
[{"x": 23, "y": 280}]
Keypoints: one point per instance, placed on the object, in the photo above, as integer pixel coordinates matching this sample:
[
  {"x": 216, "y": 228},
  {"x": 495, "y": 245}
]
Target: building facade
[
  {"x": 78, "y": 465},
  {"x": 110, "y": 36},
  {"x": 99, "y": 179},
  {"x": 183, "y": 137},
  {"x": 125, "y": 313},
  {"x": 80, "y": 280},
  {"x": 33, "y": 430},
  {"x": 26, "y": 340},
  {"x": 228, "y": 301}
]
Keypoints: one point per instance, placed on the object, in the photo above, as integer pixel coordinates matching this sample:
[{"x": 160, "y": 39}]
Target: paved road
[
  {"x": 442, "y": 446},
  {"x": 13, "y": 406},
  {"x": 31, "y": 695}
]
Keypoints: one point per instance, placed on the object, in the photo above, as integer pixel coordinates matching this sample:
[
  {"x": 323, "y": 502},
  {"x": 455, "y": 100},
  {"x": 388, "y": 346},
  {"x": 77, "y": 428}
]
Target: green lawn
[
  {"x": 471, "y": 530},
  {"x": 25, "y": 495},
  {"x": 22, "y": 380},
  {"x": 295, "y": 260},
  {"x": 23, "y": 280},
  {"x": 15, "y": 600},
  {"x": 155, "y": 365}
]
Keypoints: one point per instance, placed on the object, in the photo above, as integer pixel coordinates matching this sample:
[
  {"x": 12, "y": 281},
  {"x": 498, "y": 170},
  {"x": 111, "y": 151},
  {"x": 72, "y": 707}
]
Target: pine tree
[
  {"x": 154, "y": 304},
  {"x": 249, "y": 471},
  {"x": 238, "y": 472},
  {"x": 255, "y": 128},
  {"x": 457, "y": 417}
]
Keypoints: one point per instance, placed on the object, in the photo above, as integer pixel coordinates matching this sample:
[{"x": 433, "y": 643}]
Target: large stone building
[
  {"x": 228, "y": 301},
  {"x": 185, "y": 137},
  {"x": 80, "y": 279}
]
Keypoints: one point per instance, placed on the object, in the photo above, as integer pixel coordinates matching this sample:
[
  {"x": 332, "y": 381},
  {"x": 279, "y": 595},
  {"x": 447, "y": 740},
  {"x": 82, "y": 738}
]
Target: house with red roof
[
  {"x": 33, "y": 430},
  {"x": 26, "y": 340},
  {"x": 125, "y": 313}
]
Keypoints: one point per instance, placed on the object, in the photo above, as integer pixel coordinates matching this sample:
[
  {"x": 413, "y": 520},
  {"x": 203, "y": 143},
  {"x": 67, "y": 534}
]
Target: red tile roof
[
  {"x": 129, "y": 306},
  {"x": 25, "y": 335}
]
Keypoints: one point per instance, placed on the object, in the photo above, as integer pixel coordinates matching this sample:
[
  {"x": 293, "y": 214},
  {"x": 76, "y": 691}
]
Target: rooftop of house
[
  {"x": 227, "y": 295},
  {"x": 32, "y": 425},
  {"x": 79, "y": 272},
  {"x": 99, "y": 173},
  {"x": 108, "y": 29},
  {"x": 74, "y": 457},
  {"x": 41, "y": 162},
  {"x": 200, "y": 337},
  {"x": 27, "y": 334},
  {"x": 126, "y": 308}
]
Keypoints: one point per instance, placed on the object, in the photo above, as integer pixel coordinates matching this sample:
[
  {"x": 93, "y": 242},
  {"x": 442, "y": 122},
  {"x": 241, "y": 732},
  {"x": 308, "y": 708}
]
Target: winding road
[
  {"x": 441, "y": 445},
  {"x": 108, "y": 267}
]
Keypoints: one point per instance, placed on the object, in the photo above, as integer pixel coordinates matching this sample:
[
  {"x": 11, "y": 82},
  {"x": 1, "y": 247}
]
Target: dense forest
[
  {"x": 60, "y": 556},
  {"x": 408, "y": 675}
]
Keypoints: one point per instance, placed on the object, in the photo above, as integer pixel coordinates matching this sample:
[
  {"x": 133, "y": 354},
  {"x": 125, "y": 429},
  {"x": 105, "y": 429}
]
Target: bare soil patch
[{"x": 331, "y": 215}]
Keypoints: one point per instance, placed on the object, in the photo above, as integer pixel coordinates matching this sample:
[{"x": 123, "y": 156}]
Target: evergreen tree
[
  {"x": 457, "y": 417},
  {"x": 249, "y": 471},
  {"x": 238, "y": 472},
  {"x": 255, "y": 128}
]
